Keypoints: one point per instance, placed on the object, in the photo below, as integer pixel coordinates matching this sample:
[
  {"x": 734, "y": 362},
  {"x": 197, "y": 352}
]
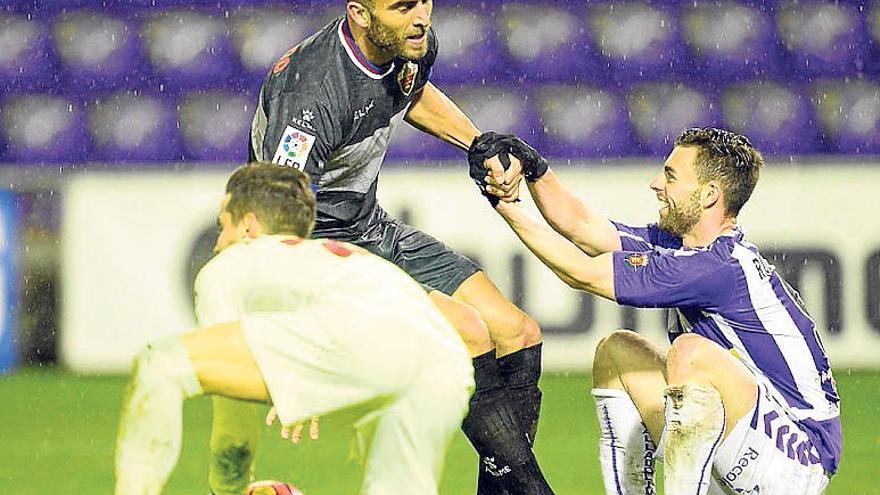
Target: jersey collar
[{"x": 358, "y": 57}]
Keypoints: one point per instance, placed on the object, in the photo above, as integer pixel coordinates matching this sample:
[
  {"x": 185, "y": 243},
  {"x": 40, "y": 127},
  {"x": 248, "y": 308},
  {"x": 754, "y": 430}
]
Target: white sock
[
  {"x": 148, "y": 442},
  {"x": 235, "y": 429},
  {"x": 694, "y": 425},
  {"x": 626, "y": 451}
]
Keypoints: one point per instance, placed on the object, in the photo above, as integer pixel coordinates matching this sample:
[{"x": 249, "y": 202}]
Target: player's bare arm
[
  {"x": 434, "y": 113},
  {"x": 589, "y": 230},
  {"x": 574, "y": 267}
]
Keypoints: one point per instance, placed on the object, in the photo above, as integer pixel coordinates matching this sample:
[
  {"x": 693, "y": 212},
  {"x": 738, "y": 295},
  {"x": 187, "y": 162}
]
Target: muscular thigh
[{"x": 424, "y": 258}]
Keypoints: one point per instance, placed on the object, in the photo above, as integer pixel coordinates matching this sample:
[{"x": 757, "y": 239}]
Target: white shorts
[{"x": 767, "y": 453}]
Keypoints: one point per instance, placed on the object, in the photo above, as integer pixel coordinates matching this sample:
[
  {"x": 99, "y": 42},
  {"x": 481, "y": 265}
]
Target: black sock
[
  {"x": 492, "y": 426},
  {"x": 521, "y": 371},
  {"x": 487, "y": 375}
]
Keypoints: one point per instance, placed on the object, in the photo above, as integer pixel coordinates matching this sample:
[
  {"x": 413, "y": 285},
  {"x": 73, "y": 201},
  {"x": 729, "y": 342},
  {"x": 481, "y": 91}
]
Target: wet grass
[{"x": 58, "y": 436}]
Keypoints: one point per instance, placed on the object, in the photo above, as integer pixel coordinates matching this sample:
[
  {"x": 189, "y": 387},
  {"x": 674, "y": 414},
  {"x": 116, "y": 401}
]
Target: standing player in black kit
[{"x": 329, "y": 107}]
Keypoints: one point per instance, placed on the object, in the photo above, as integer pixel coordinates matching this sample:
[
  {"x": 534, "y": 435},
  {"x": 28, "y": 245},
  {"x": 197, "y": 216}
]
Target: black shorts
[{"x": 427, "y": 260}]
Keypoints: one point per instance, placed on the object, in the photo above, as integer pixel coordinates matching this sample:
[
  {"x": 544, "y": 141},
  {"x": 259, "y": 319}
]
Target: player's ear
[
  {"x": 252, "y": 226},
  {"x": 711, "y": 194},
  {"x": 359, "y": 14}
]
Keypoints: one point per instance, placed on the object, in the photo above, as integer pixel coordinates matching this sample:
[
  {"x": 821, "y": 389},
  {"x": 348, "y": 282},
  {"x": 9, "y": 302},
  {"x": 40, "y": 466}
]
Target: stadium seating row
[
  {"x": 214, "y": 46},
  {"x": 831, "y": 115},
  {"x": 144, "y": 80}
]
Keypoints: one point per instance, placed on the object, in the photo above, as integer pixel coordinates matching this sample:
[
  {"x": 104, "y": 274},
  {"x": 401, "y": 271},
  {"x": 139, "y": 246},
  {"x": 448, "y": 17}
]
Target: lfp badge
[{"x": 294, "y": 148}]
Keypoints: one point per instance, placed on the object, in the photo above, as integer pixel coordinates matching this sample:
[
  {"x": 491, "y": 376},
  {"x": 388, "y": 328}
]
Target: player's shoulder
[
  {"x": 693, "y": 263},
  {"x": 223, "y": 266},
  {"x": 305, "y": 67},
  {"x": 732, "y": 246},
  {"x": 433, "y": 48}
]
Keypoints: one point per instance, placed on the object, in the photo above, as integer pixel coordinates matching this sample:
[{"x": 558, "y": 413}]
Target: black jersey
[{"x": 325, "y": 109}]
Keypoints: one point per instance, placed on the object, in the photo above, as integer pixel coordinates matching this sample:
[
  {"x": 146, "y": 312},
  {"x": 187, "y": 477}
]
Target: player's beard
[
  {"x": 393, "y": 44},
  {"x": 680, "y": 219}
]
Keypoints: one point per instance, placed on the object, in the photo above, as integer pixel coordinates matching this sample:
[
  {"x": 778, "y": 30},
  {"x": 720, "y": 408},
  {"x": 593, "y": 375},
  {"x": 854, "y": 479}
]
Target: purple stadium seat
[
  {"x": 469, "y": 50},
  {"x": 543, "y": 41},
  {"x": 26, "y": 60},
  {"x": 637, "y": 41},
  {"x": 215, "y": 125},
  {"x": 97, "y": 50},
  {"x": 189, "y": 48},
  {"x": 500, "y": 109},
  {"x": 145, "y": 5},
  {"x": 127, "y": 126},
  {"x": 873, "y": 15},
  {"x": 778, "y": 120},
  {"x": 822, "y": 38},
  {"x": 729, "y": 40},
  {"x": 849, "y": 114},
  {"x": 43, "y": 128},
  {"x": 261, "y": 36},
  {"x": 583, "y": 121},
  {"x": 660, "y": 111},
  {"x": 492, "y": 108}
]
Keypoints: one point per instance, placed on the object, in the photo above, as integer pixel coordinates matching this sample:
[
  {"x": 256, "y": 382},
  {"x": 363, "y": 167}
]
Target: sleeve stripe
[
  {"x": 258, "y": 129},
  {"x": 633, "y": 236}
]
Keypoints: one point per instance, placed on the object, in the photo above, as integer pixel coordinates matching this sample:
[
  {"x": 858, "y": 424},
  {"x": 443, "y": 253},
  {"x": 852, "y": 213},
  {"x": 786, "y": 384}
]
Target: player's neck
[
  {"x": 373, "y": 53},
  {"x": 707, "y": 230}
]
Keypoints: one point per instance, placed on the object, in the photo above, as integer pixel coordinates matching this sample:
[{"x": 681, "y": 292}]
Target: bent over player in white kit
[
  {"x": 311, "y": 326},
  {"x": 744, "y": 400}
]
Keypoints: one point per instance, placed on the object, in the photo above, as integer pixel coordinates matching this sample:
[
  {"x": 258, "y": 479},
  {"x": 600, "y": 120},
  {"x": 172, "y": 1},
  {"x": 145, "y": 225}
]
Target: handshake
[{"x": 501, "y": 183}]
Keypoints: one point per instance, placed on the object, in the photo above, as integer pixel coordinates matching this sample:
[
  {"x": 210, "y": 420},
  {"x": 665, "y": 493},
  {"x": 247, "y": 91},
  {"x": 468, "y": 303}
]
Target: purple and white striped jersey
[{"x": 728, "y": 293}]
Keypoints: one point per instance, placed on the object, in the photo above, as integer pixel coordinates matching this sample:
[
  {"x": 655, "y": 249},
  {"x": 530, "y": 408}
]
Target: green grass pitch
[{"x": 58, "y": 435}]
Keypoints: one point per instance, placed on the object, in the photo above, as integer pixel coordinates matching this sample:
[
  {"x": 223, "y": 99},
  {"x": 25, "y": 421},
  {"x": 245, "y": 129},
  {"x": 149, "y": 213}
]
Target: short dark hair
[
  {"x": 280, "y": 196},
  {"x": 369, "y": 4},
  {"x": 728, "y": 157}
]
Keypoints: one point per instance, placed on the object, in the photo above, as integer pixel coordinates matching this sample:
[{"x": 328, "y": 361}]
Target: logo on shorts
[
  {"x": 636, "y": 260},
  {"x": 294, "y": 148},
  {"x": 406, "y": 78},
  {"x": 747, "y": 458}
]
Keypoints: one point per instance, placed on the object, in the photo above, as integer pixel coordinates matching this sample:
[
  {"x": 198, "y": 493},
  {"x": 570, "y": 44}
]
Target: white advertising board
[{"x": 129, "y": 243}]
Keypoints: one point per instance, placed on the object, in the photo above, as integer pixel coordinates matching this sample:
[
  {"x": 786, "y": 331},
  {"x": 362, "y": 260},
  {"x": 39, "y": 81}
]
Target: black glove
[
  {"x": 483, "y": 147},
  {"x": 490, "y": 144},
  {"x": 534, "y": 166}
]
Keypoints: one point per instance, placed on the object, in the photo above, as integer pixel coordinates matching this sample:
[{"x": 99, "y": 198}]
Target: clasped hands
[{"x": 498, "y": 162}]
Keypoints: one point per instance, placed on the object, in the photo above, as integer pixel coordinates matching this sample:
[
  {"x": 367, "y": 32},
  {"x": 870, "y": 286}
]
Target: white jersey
[
  {"x": 331, "y": 326},
  {"x": 321, "y": 306},
  {"x": 280, "y": 274}
]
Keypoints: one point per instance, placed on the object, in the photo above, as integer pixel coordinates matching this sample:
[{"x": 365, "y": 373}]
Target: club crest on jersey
[
  {"x": 283, "y": 62},
  {"x": 636, "y": 260},
  {"x": 294, "y": 148},
  {"x": 406, "y": 78}
]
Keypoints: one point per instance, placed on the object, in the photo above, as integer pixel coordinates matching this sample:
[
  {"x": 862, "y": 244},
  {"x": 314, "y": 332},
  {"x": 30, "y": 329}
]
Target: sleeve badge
[
  {"x": 294, "y": 148},
  {"x": 406, "y": 78},
  {"x": 636, "y": 260}
]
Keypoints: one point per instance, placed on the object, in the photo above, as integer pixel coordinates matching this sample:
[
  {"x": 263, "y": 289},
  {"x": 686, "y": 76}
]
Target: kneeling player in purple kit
[{"x": 744, "y": 400}]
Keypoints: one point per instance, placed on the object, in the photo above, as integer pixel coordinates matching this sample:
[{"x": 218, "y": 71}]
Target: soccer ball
[{"x": 272, "y": 487}]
